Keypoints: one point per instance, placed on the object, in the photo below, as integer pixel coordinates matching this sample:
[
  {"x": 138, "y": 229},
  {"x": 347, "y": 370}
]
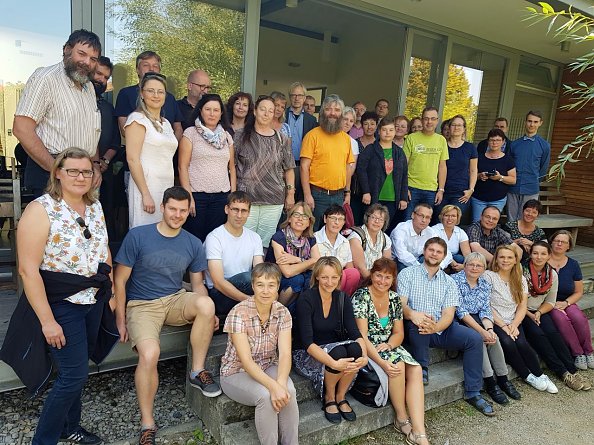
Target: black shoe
[
  {"x": 510, "y": 390},
  {"x": 205, "y": 383},
  {"x": 82, "y": 436},
  {"x": 147, "y": 437},
  {"x": 497, "y": 395},
  {"x": 482, "y": 405},
  {"x": 347, "y": 415},
  {"x": 425, "y": 376},
  {"x": 335, "y": 418}
]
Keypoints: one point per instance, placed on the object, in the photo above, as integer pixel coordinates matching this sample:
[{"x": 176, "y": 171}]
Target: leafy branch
[{"x": 571, "y": 26}]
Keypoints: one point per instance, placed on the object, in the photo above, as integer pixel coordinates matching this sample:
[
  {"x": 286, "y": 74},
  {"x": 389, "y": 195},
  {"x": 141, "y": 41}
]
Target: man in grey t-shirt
[{"x": 148, "y": 289}]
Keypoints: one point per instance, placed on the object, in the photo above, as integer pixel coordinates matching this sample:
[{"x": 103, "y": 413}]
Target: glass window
[
  {"x": 525, "y": 101},
  {"x": 474, "y": 87},
  {"x": 27, "y": 42},
  {"x": 187, "y": 34}
]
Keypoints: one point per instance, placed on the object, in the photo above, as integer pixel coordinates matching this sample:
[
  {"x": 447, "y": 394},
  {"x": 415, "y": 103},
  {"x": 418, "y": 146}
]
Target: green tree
[
  {"x": 575, "y": 27},
  {"x": 186, "y": 34},
  {"x": 457, "y": 98}
]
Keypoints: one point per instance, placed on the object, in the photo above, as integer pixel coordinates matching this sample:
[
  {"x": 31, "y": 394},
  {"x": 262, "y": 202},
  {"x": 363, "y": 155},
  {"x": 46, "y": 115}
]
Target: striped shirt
[
  {"x": 65, "y": 116},
  {"x": 427, "y": 295}
]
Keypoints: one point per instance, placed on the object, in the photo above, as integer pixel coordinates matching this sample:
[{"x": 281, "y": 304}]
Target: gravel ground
[{"x": 110, "y": 407}]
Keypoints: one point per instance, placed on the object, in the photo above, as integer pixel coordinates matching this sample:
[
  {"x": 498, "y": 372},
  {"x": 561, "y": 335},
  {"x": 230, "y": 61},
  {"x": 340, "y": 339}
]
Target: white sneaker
[
  {"x": 581, "y": 362},
  {"x": 551, "y": 388},
  {"x": 536, "y": 382},
  {"x": 590, "y": 361}
]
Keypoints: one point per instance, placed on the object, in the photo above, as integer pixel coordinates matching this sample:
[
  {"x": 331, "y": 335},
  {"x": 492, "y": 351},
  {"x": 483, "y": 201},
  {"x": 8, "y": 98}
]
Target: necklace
[{"x": 264, "y": 326}]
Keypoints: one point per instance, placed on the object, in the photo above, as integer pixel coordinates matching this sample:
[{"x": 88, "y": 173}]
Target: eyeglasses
[
  {"x": 475, "y": 266},
  {"x": 495, "y": 140},
  {"x": 202, "y": 86},
  {"x": 336, "y": 219},
  {"x": 74, "y": 172},
  {"x": 560, "y": 241},
  {"x": 456, "y": 125},
  {"x": 298, "y": 96},
  {"x": 238, "y": 211},
  {"x": 83, "y": 225},
  {"x": 432, "y": 119},
  {"x": 153, "y": 92},
  {"x": 422, "y": 216},
  {"x": 377, "y": 218},
  {"x": 300, "y": 215}
]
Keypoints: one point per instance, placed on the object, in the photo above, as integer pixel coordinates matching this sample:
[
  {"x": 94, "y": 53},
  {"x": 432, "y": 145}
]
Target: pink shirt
[{"x": 209, "y": 166}]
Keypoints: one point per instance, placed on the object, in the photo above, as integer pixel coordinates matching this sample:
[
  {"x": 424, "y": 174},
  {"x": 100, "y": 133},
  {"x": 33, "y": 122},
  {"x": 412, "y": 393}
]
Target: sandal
[
  {"x": 398, "y": 426},
  {"x": 347, "y": 415},
  {"x": 335, "y": 418},
  {"x": 413, "y": 438}
]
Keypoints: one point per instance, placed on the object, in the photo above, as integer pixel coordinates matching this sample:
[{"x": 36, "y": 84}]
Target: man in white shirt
[
  {"x": 231, "y": 251},
  {"x": 409, "y": 237}
]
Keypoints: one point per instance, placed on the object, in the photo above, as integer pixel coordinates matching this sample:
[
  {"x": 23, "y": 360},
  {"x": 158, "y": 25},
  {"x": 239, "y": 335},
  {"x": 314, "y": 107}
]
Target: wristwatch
[
  {"x": 441, "y": 190},
  {"x": 105, "y": 160},
  {"x": 501, "y": 178}
]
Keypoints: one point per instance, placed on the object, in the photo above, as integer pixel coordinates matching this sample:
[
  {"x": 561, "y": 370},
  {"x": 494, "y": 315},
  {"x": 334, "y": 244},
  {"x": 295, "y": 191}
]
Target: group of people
[{"x": 307, "y": 293}]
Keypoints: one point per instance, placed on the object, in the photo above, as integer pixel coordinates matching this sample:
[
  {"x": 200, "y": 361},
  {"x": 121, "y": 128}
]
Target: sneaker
[
  {"x": 590, "y": 361},
  {"x": 551, "y": 388},
  {"x": 573, "y": 381},
  {"x": 536, "y": 382},
  {"x": 587, "y": 384},
  {"x": 205, "y": 383},
  {"x": 581, "y": 362},
  {"x": 147, "y": 437},
  {"x": 82, "y": 436}
]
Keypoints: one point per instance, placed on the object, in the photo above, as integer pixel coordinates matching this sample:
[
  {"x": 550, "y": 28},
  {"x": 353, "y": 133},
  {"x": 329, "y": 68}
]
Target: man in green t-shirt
[{"x": 427, "y": 153}]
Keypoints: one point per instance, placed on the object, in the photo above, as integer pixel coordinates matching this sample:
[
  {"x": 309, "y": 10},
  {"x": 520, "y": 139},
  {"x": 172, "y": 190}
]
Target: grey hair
[
  {"x": 476, "y": 256},
  {"x": 346, "y": 110},
  {"x": 297, "y": 85},
  {"x": 333, "y": 99}
]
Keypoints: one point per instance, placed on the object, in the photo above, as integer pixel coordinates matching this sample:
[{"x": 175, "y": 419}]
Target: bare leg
[
  {"x": 202, "y": 312},
  {"x": 415, "y": 400},
  {"x": 146, "y": 378},
  {"x": 330, "y": 382},
  {"x": 396, "y": 391},
  {"x": 343, "y": 386}
]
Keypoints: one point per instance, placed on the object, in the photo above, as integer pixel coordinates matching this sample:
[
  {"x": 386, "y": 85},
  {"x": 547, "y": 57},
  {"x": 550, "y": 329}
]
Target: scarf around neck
[
  {"x": 298, "y": 247},
  {"x": 216, "y": 138},
  {"x": 539, "y": 283}
]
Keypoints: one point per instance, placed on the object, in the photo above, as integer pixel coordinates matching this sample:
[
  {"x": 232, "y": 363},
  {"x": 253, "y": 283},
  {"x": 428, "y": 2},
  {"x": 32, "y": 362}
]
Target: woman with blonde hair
[
  {"x": 294, "y": 249},
  {"x": 456, "y": 238},
  {"x": 331, "y": 350},
  {"x": 150, "y": 146},
  {"x": 280, "y": 106},
  {"x": 509, "y": 299}
]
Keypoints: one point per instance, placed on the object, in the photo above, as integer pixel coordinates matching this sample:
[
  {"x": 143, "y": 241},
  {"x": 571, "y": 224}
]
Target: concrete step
[{"x": 445, "y": 386}]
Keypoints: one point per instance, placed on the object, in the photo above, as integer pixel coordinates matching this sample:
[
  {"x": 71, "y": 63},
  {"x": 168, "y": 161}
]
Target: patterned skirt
[
  {"x": 313, "y": 370},
  {"x": 398, "y": 355}
]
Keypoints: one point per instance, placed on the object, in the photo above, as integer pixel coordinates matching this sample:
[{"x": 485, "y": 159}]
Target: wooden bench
[
  {"x": 11, "y": 209},
  {"x": 550, "y": 196}
]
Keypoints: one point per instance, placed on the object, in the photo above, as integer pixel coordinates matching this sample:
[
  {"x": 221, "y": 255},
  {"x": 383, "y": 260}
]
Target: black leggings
[
  {"x": 549, "y": 345},
  {"x": 351, "y": 350},
  {"x": 518, "y": 353}
]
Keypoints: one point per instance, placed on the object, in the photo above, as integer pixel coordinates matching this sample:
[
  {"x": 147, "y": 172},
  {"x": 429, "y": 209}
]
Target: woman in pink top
[{"x": 207, "y": 166}]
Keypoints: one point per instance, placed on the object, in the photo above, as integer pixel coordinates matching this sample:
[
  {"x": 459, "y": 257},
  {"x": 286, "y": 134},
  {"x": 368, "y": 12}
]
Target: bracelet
[
  {"x": 441, "y": 190},
  {"x": 347, "y": 192},
  {"x": 538, "y": 312},
  {"x": 489, "y": 329},
  {"x": 289, "y": 186}
]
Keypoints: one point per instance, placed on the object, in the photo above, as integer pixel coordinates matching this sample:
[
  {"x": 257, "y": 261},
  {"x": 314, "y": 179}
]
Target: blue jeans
[
  {"x": 210, "y": 213},
  {"x": 417, "y": 196},
  {"x": 450, "y": 198},
  {"x": 458, "y": 258},
  {"x": 322, "y": 202},
  {"x": 223, "y": 304},
  {"x": 60, "y": 416},
  {"x": 478, "y": 206},
  {"x": 455, "y": 337}
]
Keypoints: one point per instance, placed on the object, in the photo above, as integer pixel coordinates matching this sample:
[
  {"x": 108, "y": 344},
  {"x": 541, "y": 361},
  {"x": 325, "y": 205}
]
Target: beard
[
  {"x": 99, "y": 88},
  {"x": 331, "y": 126},
  {"x": 77, "y": 72}
]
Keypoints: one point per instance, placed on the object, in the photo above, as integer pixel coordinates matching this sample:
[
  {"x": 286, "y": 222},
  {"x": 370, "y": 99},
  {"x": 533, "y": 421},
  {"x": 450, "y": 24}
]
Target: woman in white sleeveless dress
[{"x": 150, "y": 146}]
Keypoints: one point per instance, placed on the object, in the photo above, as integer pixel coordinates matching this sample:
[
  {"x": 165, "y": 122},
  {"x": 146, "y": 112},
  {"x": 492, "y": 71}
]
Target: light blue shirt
[
  {"x": 296, "y": 130},
  {"x": 428, "y": 295},
  {"x": 475, "y": 300}
]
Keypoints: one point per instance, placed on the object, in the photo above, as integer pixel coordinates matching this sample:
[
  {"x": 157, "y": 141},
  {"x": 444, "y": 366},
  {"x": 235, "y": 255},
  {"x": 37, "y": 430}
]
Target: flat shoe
[
  {"x": 349, "y": 416},
  {"x": 497, "y": 395},
  {"x": 509, "y": 388},
  {"x": 481, "y": 405},
  {"x": 335, "y": 418}
]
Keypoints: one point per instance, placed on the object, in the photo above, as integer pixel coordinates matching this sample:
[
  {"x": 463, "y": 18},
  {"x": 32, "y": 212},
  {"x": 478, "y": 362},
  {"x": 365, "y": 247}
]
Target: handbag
[
  {"x": 341, "y": 333},
  {"x": 366, "y": 386}
]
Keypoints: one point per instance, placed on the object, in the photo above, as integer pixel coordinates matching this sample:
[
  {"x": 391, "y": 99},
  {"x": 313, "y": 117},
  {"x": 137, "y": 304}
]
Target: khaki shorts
[{"x": 145, "y": 318}]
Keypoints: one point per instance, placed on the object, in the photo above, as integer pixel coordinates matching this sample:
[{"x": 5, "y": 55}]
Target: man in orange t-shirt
[{"x": 327, "y": 161}]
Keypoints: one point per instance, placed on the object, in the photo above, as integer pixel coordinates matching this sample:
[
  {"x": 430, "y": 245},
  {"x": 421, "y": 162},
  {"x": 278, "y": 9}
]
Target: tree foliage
[
  {"x": 457, "y": 98},
  {"x": 187, "y": 34},
  {"x": 579, "y": 28}
]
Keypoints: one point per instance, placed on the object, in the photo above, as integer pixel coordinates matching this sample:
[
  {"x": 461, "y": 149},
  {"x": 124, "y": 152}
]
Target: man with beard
[
  {"x": 58, "y": 110},
  {"x": 327, "y": 161},
  {"x": 148, "y": 292},
  {"x": 109, "y": 142},
  {"x": 429, "y": 299}
]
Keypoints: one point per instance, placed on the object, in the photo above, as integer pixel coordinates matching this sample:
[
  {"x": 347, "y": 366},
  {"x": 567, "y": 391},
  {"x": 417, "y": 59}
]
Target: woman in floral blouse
[{"x": 378, "y": 313}]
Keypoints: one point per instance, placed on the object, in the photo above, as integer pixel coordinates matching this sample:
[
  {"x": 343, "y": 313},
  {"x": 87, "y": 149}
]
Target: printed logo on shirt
[{"x": 422, "y": 149}]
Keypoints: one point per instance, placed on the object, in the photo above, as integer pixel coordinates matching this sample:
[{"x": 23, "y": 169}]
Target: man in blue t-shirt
[
  {"x": 127, "y": 100},
  {"x": 148, "y": 289}
]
